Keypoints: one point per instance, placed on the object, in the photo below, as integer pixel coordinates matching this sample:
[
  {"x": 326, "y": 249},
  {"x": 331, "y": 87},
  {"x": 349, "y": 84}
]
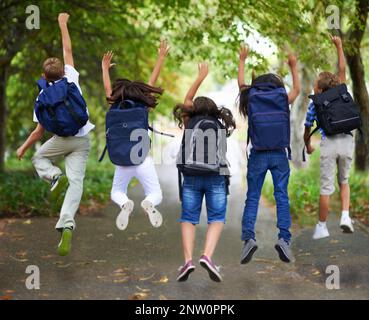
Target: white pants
[{"x": 146, "y": 175}]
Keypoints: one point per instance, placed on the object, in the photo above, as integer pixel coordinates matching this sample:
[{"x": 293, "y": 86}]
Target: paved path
[{"x": 142, "y": 262}]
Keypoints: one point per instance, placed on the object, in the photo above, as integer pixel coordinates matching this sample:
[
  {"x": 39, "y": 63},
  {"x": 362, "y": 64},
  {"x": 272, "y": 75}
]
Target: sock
[
  {"x": 322, "y": 223},
  {"x": 345, "y": 214}
]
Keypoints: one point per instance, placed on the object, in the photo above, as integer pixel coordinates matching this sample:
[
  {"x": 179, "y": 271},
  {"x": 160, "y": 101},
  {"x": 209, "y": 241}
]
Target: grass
[
  {"x": 23, "y": 193},
  {"x": 304, "y": 190}
]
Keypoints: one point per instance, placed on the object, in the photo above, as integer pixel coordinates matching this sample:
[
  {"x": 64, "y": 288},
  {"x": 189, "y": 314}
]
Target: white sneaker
[
  {"x": 320, "y": 232},
  {"x": 123, "y": 216},
  {"x": 346, "y": 225},
  {"x": 154, "y": 215}
]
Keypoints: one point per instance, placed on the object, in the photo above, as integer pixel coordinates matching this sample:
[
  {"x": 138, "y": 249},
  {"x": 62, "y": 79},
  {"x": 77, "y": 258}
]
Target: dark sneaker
[
  {"x": 211, "y": 268},
  {"x": 248, "y": 251},
  {"x": 185, "y": 271},
  {"x": 65, "y": 243},
  {"x": 58, "y": 185},
  {"x": 284, "y": 250}
]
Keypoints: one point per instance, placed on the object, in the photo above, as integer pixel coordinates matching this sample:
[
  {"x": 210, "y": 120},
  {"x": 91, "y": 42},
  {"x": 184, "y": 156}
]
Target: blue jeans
[
  {"x": 215, "y": 192},
  {"x": 258, "y": 165}
]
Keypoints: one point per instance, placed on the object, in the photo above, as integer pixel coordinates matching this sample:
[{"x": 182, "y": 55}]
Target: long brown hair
[
  {"x": 124, "y": 89},
  {"x": 205, "y": 107}
]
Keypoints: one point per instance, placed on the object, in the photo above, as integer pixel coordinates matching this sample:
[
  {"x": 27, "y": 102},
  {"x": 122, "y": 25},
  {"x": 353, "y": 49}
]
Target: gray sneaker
[
  {"x": 248, "y": 250},
  {"x": 284, "y": 250}
]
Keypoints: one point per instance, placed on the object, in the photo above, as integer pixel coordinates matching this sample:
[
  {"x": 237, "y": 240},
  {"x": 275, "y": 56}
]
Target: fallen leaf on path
[
  {"x": 343, "y": 250},
  {"x": 65, "y": 265},
  {"x": 29, "y": 221},
  {"x": 47, "y": 256},
  {"x": 1, "y": 234},
  {"x": 142, "y": 289},
  {"x": 261, "y": 272},
  {"x": 163, "y": 279},
  {"x": 99, "y": 261},
  {"x": 163, "y": 297},
  {"x": 6, "y": 297},
  {"x": 334, "y": 241},
  {"x": 147, "y": 278},
  {"x": 109, "y": 235},
  {"x": 120, "y": 280},
  {"x": 19, "y": 260},
  {"x": 138, "y": 296},
  {"x": 316, "y": 273}
]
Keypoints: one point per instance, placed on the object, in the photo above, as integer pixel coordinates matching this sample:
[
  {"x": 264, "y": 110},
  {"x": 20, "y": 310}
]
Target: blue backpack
[
  {"x": 60, "y": 108},
  {"x": 268, "y": 117},
  {"x": 127, "y": 138}
]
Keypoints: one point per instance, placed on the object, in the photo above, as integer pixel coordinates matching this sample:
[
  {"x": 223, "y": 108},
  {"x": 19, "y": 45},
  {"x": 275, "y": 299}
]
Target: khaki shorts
[{"x": 335, "y": 152}]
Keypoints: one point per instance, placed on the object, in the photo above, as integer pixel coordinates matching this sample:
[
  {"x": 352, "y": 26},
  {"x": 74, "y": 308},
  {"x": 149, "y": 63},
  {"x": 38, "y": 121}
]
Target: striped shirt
[{"x": 311, "y": 118}]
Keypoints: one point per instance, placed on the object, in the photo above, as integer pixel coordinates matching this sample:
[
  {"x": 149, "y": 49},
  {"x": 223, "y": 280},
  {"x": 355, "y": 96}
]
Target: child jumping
[
  {"x": 143, "y": 97},
  {"x": 266, "y": 105},
  {"x": 203, "y": 164},
  {"x": 336, "y": 151},
  {"x": 75, "y": 148}
]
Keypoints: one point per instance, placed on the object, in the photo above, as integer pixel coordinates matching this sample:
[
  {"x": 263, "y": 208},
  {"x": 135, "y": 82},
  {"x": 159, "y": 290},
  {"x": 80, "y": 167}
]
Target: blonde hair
[{"x": 53, "y": 69}]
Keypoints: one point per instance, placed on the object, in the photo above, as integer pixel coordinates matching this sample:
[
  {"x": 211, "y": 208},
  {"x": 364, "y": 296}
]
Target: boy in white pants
[
  {"x": 74, "y": 149},
  {"x": 145, "y": 172}
]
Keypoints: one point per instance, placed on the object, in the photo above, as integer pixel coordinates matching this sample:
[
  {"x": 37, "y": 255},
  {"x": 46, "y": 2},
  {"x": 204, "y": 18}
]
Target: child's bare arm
[
  {"x": 309, "y": 148},
  {"x": 341, "y": 58},
  {"x": 296, "y": 87},
  {"x": 241, "y": 66},
  {"x": 106, "y": 65},
  {"x": 67, "y": 43},
  {"x": 203, "y": 72},
  {"x": 162, "y": 53},
  {"x": 31, "y": 140}
]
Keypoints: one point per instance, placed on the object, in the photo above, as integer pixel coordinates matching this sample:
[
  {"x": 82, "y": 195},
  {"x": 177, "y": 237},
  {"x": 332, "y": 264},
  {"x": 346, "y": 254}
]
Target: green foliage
[
  {"x": 304, "y": 191},
  {"x": 23, "y": 193}
]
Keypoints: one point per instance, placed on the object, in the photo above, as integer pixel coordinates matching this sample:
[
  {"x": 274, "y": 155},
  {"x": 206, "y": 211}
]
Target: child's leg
[
  {"x": 46, "y": 155},
  {"x": 323, "y": 207},
  {"x": 146, "y": 174},
  {"x": 256, "y": 170},
  {"x": 280, "y": 170},
  {"x": 212, "y": 237},
  {"x": 75, "y": 168},
  {"x": 188, "y": 239},
  {"x": 345, "y": 196},
  {"x": 122, "y": 177}
]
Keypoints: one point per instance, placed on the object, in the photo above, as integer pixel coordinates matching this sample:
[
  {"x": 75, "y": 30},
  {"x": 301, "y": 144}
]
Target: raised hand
[
  {"x": 20, "y": 153},
  {"x": 203, "y": 70},
  {"x": 106, "y": 60},
  {"x": 244, "y": 52},
  {"x": 292, "y": 60},
  {"x": 336, "y": 40},
  {"x": 63, "y": 18},
  {"x": 163, "y": 49}
]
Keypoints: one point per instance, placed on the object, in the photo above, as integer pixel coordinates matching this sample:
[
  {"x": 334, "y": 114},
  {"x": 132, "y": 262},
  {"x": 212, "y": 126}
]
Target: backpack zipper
[{"x": 339, "y": 121}]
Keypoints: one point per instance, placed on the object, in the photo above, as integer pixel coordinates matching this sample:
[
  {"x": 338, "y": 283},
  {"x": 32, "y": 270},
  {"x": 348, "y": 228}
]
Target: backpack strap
[
  {"x": 161, "y": 133},
  {"x": 180, "y": 185},
  {"x": 42, "y": 84},
  {"x": 247, "y": 144},
  {"x": 103, "y": 153},
  {"x": 70, "y": 109}
]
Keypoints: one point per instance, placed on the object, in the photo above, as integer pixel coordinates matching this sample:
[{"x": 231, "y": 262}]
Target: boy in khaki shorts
[
  {"x": 335, "y": 152},
  {"x": 74, "y": 149}
]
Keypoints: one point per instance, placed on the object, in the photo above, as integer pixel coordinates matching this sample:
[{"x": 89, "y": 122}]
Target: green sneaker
[
  {"x": 58, "y": 185},
  {"x": 65, "y": 243}
]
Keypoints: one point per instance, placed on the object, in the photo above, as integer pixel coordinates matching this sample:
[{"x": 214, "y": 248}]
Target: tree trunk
[
  {"x": 298, "y": 112},
  {"x": 3, "y": 112},
  {"x": 355, "y": 63},
  {"x": 362, "y": 99}
]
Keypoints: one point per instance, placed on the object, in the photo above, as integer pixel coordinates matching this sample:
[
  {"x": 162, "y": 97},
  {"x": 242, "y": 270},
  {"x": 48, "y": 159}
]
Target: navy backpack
[
  {"x": 268, "y": 117},
  {"x": 127, "y": 138},
  {"x": 60, "y": 108}
]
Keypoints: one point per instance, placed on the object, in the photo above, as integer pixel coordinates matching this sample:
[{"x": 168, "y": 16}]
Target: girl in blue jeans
[
  {"x": 259, "y": 162},
  {"x": 195, "y": 186}
]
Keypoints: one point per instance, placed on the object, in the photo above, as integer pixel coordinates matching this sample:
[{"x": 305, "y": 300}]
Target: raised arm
[
  {"x": 106, "y": 65},
  {"x": 67, "y": 43},
  {"x": 341, "y": 58},
  {"x": 296, "y": 87},
  {"x": 31, "y": 140},
  {"x": 203, "y": 72},
  {"x": 241, "y": 66},
  {"x": 162, "y": 53}
]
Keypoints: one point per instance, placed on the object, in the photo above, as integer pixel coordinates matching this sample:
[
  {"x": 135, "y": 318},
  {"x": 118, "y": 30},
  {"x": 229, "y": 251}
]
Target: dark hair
[
  {"x": 124, "y": 89},
  {"x": 328, "y": 80},
  {"x": 205, "y": 107},
  {"x": 244, "y": 91}
]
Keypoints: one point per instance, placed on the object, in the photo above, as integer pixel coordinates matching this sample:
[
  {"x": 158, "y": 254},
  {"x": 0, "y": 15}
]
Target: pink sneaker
[
  {"x": 185, "y": 271},
  {"x": 211, "y": 268}
]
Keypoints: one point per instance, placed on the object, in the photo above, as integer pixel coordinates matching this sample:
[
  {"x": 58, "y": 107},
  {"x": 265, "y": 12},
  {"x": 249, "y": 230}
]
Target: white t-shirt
[{"x": 72, "y": 75}]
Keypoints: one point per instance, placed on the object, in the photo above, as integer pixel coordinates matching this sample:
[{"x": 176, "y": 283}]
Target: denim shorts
[{"x": 215, "y": 191}]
